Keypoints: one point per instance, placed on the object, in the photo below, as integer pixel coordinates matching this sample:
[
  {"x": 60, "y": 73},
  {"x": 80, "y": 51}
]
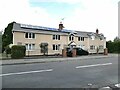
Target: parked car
[{"x": 79, "y": 51}]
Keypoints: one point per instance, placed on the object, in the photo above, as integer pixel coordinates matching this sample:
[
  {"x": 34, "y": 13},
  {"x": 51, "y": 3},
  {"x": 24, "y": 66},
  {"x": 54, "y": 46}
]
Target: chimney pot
[
  {"x": 61, "y": 26},
  {"x": 97, "y": 31}
]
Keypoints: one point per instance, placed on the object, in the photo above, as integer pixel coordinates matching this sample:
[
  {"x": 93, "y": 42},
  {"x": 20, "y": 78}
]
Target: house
[{"x": 56, "y": 39}]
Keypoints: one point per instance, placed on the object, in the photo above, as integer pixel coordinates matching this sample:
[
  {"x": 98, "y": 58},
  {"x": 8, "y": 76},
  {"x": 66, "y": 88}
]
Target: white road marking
[
  {"x": 106, "y": 87},
  {"x": 28, "y": 72},
  {"x": 117, "y": 85},
  {"x": 93, "y": 65}
]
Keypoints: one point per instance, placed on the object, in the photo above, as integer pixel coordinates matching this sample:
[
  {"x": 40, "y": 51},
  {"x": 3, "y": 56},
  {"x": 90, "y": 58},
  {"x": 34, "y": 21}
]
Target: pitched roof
[{"x": 26, "y": 28}]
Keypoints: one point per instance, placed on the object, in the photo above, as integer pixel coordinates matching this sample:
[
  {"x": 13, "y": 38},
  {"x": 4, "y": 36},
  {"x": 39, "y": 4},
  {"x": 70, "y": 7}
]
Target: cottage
[{"x": 56, "y": 39}]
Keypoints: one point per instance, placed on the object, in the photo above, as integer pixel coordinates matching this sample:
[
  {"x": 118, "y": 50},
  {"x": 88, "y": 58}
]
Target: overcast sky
[{"x": 81, "y": 15}]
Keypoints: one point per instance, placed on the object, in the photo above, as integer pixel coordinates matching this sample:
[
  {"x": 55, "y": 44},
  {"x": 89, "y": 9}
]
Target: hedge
[{"x": 18, "y": 51}]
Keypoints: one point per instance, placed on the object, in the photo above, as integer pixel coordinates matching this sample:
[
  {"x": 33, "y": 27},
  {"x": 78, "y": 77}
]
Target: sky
[{"x": 80, "y": 15}]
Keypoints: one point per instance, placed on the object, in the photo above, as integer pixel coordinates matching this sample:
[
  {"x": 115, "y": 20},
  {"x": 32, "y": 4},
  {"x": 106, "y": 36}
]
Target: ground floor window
[
  {"x": 30, "y": 46},
  {"x": 101, "y": 47},
  {"x": 92, "y": 47},
  {"x": 56, "y": 47}
]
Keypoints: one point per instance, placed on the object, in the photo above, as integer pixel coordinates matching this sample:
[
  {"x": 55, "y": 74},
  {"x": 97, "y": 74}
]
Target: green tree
[
  {"x": 0, "y": 42},
  {"x": 113, "y": 46},
  {"x": 116, "y": 39},
  {"x": 7, "y": 37},
  {"x": 44, "y": 48}
]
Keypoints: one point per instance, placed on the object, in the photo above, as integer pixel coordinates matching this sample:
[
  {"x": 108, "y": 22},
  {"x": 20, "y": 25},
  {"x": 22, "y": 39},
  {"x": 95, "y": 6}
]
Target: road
[{"x": 67, "y": 74}]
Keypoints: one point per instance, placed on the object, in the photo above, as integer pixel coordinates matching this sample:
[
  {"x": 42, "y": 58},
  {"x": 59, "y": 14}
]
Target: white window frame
[
  {"x": 92, "y": 47},
  {"x": 56, "y": 37},
  {"x": 30, "y": 35},
  {"x": 101, "y": 47},
  {"x": 30, "y": 47},
  {"x": 56, "y": 47}
]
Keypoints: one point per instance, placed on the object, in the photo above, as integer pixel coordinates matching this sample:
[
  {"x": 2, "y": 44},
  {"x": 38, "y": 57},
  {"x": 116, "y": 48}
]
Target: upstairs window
[
  {"x": 92, "y": 47},
  {"x": 71, "y": 38},
  {"x": 56, "y": 37},
  {"x": 80, "y": 38},
  {"x": 29, "y": 35}
]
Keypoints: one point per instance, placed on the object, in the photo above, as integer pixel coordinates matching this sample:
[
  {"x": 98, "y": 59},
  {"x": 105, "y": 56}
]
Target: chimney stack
[
  {"x": 61, "y": 26},
  {"x": 97, "y": 31}
]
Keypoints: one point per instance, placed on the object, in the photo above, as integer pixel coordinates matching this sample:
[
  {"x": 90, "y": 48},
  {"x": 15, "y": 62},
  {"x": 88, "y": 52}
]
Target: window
[
  {"x": 33, "y": 35},
  {"x": 56, "y": 47},
  {"x": 29, "y": 35},
  {"x": 53, "y": 37},
  {"x": 26, "y": 35},
  {"x": 101, "y": 47},
  {"x": 53, "y": 46},
  {"x": 30, "y": 46},
  {"x": 92, "y": 47},
  {"x": 80, "y": 38},
  {"x": 71, "y": 38},
  {"x": 56, "y": 37}
]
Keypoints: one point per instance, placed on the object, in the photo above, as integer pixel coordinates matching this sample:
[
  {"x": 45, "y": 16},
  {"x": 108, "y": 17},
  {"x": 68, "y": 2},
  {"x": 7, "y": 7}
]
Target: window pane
[
  {"x": 83, "y": 38},
  {"x": 33, "y": 35},
  {"x": 30, "y": 47},
  {"x": 58, "y": 37},
  {"x": 26, "y": 35},
  {"x": 33, "y": 46},
  {"x": 53, "y": 37},
  {"x": 69, "y": 38},
  {"x": 56, "y": 47},
  {"x": 30, "y": 35},
  {"x": 53, "y": 46},
  {"x": 78, "y": 38},
  {"x": 72, "y": 38},
  {"x": 26, "y": 45}
]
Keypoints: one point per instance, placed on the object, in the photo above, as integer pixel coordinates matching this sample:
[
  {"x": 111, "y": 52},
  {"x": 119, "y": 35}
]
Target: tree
[
  {"x": 7, "y": 37},
  {"x": 116, "y": 39},
  {"x": 44, "y": 48},
  {"x": 113, "y": 46},
  {"x": 0, "y": 42}
]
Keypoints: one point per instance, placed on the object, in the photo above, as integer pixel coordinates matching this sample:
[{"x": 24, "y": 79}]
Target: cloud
[
  {"x": 21, "y": 12},
  {"x": 95, "y": 14},
  {"x": 101, "y": 14}
]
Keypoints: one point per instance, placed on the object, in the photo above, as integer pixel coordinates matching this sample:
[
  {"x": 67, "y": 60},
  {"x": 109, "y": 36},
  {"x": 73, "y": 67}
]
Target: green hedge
[
  {"x": 8, "y": 50},
  {"x": 113, "y": 47},
  {"x": 18, "y": 51}
]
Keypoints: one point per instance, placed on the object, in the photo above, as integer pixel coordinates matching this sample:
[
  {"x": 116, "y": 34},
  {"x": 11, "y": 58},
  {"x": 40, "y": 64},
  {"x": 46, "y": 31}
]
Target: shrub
[
  {"x": 18, "y": 51},
  {"x": 8, "y": 50}
]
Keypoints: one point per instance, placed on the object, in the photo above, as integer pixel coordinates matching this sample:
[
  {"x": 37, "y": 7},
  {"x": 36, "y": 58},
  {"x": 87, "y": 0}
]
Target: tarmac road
[{"x": 98, "y": 73}]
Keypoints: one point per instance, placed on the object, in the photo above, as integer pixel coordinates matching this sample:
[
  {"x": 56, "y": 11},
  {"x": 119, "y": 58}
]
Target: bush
[
  {"x": 18, "y": 51},
  {"x": 8, "y": 50}
]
